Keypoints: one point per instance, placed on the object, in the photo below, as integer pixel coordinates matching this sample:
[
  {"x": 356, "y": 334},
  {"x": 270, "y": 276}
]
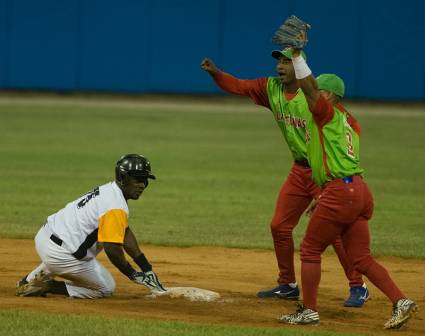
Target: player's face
[
  {"x": 328, "y": 95},
  {"x": 134, "y": 187},
  {"x": 285, "y": 70}
]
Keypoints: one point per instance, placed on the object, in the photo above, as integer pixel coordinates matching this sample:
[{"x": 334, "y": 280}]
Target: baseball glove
[{"x": 293, "y": 33}]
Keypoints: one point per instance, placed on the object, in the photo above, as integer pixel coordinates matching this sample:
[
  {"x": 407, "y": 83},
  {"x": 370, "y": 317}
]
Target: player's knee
[
  {"x": 108, "y": 288},
  {"x": 363, "y": 264},
  {"x": 310, "y": 251},
  {"x": 281, "y": 228}
]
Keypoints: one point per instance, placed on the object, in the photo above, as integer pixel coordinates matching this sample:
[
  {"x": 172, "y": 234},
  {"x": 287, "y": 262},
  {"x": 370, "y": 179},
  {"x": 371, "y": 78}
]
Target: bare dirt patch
[{"x": 236, "y": 274}]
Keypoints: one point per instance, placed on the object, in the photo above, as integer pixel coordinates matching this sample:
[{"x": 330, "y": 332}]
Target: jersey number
[
  {"x": 87, "y": 197},
  {"x": 350, "y": 149}
]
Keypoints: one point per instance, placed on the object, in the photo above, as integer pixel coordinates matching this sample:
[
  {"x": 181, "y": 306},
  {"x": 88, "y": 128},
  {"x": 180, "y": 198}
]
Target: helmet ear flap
[{"x": 120, "y": 175}]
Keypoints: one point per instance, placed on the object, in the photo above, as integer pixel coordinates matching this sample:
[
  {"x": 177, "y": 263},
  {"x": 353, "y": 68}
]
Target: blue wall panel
[
  {"x": 377, "y": 47},
  {"x": 182, "y": 33},
  {"x": 4, "y": 42},
  {"x": 334, "y": 38},
  {"x": 333, "y": 46},
  {"x": 42, "y": 44},
  {"x": 393, "y": 52},
  {"x": 247, "y": 32},
  {"x": 114, "y": 45}
]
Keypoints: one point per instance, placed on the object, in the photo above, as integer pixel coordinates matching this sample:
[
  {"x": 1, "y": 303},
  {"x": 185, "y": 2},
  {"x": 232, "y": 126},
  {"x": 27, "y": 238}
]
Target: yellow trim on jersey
[{"x": 112, "y": 226}]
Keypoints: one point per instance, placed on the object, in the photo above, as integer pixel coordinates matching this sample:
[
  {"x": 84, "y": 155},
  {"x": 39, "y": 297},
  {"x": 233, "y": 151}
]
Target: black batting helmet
[{"x": 133, "y": 165}]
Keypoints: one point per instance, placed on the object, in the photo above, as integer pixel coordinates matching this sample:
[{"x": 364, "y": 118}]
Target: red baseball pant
[
  {"x": 296, "y": 194},
  {"x": 343, "y": 210}
]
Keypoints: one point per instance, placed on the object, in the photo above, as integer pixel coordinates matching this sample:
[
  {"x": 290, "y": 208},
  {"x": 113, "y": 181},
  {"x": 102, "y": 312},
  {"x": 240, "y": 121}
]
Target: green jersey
[
  {"x": 333, "y": 149},
  {"x": 292, "y": 117}
]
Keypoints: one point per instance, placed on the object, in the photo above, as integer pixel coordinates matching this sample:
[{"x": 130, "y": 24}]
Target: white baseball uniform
[{"x": 71, "y": 239}]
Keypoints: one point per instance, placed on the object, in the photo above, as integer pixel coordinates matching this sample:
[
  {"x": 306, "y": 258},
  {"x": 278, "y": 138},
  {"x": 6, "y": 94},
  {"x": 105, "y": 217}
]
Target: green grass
[
  {"x": 219, "y": 171},
  {"x": 41, "y": 324}
]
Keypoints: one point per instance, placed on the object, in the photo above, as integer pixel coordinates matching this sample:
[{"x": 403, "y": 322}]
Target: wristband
[
  {"x": 301, "y": 68},
  {"x": 143, "y": 263}
]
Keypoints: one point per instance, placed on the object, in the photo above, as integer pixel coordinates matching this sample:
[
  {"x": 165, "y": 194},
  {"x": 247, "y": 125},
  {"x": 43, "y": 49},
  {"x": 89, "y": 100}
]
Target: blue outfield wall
[{"x": 378, "y": 47}]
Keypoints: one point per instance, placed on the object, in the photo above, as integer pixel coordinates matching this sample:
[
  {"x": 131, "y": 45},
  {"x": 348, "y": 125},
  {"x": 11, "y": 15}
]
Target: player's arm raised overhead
[
  {"x": 293, "y": 33},
  {"x": 256, "y": 89},
  {"x": 318, "y": 102},
  {"x": 305, "y": 79}
]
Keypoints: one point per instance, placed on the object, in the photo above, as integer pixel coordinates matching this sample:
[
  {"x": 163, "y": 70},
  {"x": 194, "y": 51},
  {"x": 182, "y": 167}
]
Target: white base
[{"x": 191, "y": 293}]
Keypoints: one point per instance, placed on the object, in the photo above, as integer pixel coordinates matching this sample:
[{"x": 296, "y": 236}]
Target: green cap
[
  {"x": 331, "y": 83},
  {"x": 287, "y": 52}
]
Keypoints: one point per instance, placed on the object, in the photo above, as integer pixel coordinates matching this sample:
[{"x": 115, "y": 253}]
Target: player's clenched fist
[{"x": 209, "y": 66}]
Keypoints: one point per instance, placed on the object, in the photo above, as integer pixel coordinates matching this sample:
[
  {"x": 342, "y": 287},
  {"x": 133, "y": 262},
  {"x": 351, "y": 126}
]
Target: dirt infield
[{"x": 235, "y": 274}]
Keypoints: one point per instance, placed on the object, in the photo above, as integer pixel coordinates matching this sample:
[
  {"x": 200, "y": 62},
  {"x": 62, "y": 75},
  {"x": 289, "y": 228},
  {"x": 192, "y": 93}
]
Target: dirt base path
[{"x": 236, "y": 274}]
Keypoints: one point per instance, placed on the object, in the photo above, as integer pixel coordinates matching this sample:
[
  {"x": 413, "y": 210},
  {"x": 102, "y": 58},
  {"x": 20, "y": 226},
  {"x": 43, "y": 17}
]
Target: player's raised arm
[
  {"x": 293, "y": 33},
  {"x": 305, "y": 78},
  {"x": 256, "y": 89},
  {"x": 209, "y": 66}
]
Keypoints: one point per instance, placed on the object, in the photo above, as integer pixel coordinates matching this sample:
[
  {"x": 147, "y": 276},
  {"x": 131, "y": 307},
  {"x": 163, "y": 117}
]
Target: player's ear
[
  {"x": 335, "y": 98},
  {"x": 332, "y": 97}
]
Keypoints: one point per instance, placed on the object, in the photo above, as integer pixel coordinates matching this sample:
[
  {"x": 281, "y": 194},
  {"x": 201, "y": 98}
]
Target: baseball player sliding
[{"x": 72, "y": 237}]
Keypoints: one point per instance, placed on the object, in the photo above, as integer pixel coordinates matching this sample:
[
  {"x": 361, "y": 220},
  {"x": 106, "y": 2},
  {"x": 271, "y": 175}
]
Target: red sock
[
  {"x": 379, "y": 276},
  {"x": 310, "y": 279}
]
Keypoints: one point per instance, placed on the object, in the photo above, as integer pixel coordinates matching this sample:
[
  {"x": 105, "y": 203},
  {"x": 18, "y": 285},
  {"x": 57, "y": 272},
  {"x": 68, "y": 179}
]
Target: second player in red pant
[
  {"x": 295, "y": 196},
  {"x": 344, "y": 209}
]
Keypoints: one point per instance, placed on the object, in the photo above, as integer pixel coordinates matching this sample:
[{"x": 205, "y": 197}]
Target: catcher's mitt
[{"x": 293, "y": 33}]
